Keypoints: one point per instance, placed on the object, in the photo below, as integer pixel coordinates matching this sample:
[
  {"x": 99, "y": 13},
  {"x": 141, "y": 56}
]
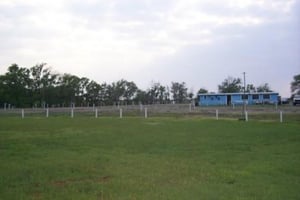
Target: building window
[
  {"x": 245, "y": 97},
  {"x": 255, "y": 97},
  {"x": 266, "y": 96}
]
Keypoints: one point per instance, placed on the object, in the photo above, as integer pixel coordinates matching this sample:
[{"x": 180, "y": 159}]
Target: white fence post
[
  {"x": 141, "y": 107},
  {"x": 47, "y": 112},
  {"x": 246, "y": 116},
  {"x": 281, "y": 117},
  {"x": 121, "y": 113},
  {"x": 72, "y": 113},
  {"x": 96, "y": 113},
  {"x": 146, "y": 113},
  {"x": 217, "y": 114},
  {"x": 23, "y": 114}
]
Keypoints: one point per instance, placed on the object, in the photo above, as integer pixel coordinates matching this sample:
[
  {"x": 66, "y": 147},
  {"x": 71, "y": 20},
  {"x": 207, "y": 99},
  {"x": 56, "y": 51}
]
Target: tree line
[
  {"x": 232, "y": 85},
  {"x": 39, "y": 86}
]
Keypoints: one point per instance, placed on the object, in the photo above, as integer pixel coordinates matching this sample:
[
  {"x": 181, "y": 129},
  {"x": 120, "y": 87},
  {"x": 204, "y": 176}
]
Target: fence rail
[{"x": 257, "y": 112}]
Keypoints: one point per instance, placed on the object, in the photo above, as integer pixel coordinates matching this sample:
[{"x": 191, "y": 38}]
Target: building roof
[{"x": 237, "y": 93}]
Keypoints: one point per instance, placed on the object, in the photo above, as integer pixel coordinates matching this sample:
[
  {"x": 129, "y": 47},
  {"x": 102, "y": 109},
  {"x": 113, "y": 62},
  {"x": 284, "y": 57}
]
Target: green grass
[{"x": 155, "y": 158}]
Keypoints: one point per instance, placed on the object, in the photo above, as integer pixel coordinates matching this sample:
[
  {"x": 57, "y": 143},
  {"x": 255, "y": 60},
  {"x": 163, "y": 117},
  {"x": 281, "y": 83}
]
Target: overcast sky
[{"x": 199, "y": 42}]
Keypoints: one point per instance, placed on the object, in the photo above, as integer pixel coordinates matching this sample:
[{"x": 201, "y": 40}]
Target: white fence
[{"x": 275, "y": 113}]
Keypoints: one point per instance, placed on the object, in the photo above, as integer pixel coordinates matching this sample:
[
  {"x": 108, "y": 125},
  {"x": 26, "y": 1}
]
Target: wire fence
[{"x": 258, "y": 112}]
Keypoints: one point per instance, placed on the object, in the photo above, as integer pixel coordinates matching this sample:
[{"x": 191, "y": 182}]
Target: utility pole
[{"x": 244, "y": 96}]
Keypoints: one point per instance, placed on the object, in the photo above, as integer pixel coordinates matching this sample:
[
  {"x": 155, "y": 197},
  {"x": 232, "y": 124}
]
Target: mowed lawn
[{"x": 154, "y": 158}]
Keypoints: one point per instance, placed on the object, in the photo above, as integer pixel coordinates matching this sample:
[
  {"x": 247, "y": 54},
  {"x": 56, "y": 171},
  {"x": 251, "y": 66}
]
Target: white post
[
  {"x": 190, "y": 107},
  {"x": 47, "y": 112},
  {"x": 121, "y": 113},
  {"x": 281, "y": 117},
  {"x": 146, "y": 113},
  {"x": 23, "y": 115},
  {"x": 217, "y": 114},
  {"x": 72, "y": 113},
  {"x": 96, "y": 113},
  {"x": 246, "y": 116},
  {"x": 141, "y": 107}
]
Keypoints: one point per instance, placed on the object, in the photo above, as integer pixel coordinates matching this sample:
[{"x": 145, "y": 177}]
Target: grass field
[{"x": 155, "y": 158}]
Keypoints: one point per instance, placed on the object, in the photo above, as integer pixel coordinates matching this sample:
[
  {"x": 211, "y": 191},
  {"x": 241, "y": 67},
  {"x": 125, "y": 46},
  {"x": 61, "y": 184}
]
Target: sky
[{"x": 199, "y": 42}]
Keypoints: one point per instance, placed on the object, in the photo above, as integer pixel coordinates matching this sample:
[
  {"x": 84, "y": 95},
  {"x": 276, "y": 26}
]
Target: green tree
[
  {"x": 115, "y": 92},
  {"x": 179, "y": 92},
  {"x": 103, "y": 94},
  {"x": 81, "y": 94},
  {"x": 141, "y": 97},
  {"x": 43, "y": 82},
  {"x": 264, "y": 88},
  {"x": 15, "y": 86},
  {"x": 120, "y": 92},
  {"x": 295, "y": 85},
  {"x": 154, "y": 93},
  {"x": 4, "y": 96},
  {"x": 202, "y": 91},
  {"x": 69, "y": 89},
  {"x": 93, "y": 92},
  {"x": 190, "y": 95},
  {"x": 230, "y": 85},
  {"x": 129, "y": 91},
  {"x": 159, "y": 93},
  {"x": 250, "y": 88},
  {"x": 164, "y": 94}
]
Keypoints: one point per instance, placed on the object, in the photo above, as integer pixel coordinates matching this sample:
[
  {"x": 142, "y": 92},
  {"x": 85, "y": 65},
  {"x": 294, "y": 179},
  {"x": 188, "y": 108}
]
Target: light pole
[{"x": 244, "y": 96}]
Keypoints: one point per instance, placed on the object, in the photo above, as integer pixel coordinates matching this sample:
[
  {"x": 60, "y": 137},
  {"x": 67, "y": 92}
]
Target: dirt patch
[
  {"x": 104, "y": 179},
  {"x": 59, "y": 183}
]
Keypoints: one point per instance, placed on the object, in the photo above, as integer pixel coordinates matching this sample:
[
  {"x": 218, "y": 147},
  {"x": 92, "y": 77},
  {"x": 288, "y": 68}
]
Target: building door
[{"x": 228, "y": 100}]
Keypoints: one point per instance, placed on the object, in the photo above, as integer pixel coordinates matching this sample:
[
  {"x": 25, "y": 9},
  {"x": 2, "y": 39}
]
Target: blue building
[{"x": 211, "y": 99}]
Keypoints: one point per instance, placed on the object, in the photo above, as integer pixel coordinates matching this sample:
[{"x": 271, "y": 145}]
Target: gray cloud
[{"x": 162, "y": 40}]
